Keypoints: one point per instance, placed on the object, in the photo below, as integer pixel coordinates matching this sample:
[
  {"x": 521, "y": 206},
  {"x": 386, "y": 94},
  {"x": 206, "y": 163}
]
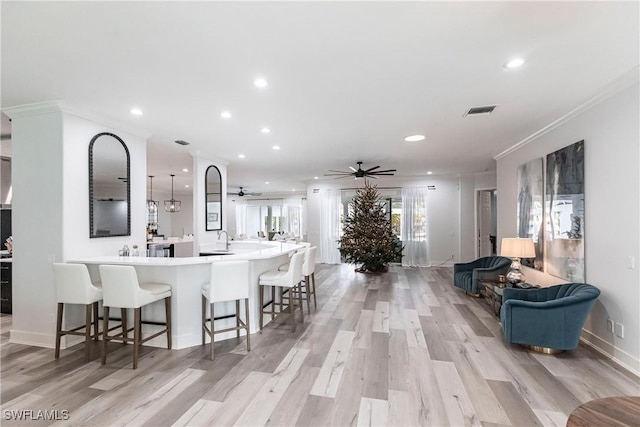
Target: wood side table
[{"x": 609, "y": 411}]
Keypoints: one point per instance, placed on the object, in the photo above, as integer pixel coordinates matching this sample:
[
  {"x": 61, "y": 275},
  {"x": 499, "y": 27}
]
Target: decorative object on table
[
  {"x": 530, "y": 218},
  {"x": 549, "y": 319},
  {"x": 368, "y": 239},
  {"x": 9, "y": 244},
  {"x": 502, "y": 280},
  {"x": 361, "y": 173},
  {"x": 467, "y": 275},
  {"x": 172, "y": 205},
  {"x": 516, "y": 248},
  {"x": 564, "y": 197}
]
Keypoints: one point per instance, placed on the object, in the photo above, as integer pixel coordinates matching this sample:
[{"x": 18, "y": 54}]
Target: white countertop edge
[{"x": 273, "y": 252}]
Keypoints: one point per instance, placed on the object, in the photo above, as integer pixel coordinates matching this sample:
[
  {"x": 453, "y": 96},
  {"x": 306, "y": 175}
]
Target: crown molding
[
  {"x": 627, "y": 79},
  {"x": 199, "y": 154},
  {"x": 57, "y": 106}
]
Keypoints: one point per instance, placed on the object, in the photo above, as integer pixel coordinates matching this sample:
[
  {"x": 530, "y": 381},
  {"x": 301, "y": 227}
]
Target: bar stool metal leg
[{"x": 246, "y": 310}]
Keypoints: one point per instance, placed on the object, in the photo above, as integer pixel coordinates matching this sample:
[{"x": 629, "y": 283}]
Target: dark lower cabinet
[{"x": 5, "y": 287}]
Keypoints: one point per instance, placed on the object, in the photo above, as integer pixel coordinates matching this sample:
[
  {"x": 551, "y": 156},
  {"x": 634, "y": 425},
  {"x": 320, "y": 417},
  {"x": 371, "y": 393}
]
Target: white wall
[
  {"x": 51, "y": 208},
  {"x": 610, "y": 130},
  {"x": 172, "y": 224}
]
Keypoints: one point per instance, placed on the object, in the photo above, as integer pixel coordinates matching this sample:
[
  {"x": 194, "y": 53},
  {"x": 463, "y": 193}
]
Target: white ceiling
[{"x": 347, "y": 80}]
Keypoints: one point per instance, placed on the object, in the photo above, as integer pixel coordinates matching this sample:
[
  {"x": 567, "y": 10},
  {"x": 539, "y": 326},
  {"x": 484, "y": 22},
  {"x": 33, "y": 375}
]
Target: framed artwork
[
  {"x": 530, "y": 220},
  {"x": 564, "y": 213}
]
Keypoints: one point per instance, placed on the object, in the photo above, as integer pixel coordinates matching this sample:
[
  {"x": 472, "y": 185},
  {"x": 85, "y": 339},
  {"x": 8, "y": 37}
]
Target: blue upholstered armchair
[
  {"x": 547, "y": 317},
  {"x": 466, "y": 275}
]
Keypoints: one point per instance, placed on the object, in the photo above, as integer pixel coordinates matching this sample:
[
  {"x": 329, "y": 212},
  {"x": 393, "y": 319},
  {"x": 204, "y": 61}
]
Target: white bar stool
[
  {"x": 74, "y": 286},
  {"x": 121, "y": 289},
  {"x": 229, "y": 282},
  {"x": 308, "y": 271},
  {"x": 289, "y": 279}
]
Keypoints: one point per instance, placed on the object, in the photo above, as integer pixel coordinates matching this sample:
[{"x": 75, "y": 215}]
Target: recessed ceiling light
[
  {"x": 315, "y": 177},
  {"x": 276, "y": 147},
  {"x": 265, "y": 130},
  {"x": 241, "y": 156},
  {"x": 136, "y": 111},
  {"x": 266, "y": 182},
  {"x": 514, "y": 63},
  {"x": 186, "y": 186},
  {"x": 185, "y": 170},
  {"x": 293, "y": 189},
  {"x": 225, "y": 115},
  {"x": 429, "y": 173},
  {"x": 260, "y": 82},
  {"x": 414, "y": 138}
]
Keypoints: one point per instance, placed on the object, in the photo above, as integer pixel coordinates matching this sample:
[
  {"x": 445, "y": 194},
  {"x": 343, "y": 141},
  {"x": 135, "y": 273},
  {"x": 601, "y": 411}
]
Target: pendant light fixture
[
  {"x": 172, "y": 205},
  {"x": 152, "y": 205}
]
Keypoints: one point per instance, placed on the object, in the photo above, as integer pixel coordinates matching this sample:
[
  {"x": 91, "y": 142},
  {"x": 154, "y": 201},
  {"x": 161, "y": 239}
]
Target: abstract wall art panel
[
  {"x": 530, "y": 209},
  {"x": 564, "y": 213}
]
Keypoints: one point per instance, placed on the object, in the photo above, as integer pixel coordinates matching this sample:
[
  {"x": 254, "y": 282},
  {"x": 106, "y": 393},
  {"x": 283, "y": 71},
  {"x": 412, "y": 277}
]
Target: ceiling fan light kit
[
  {"x": 243, "y": 193},
  {"x": 361, "y": 173}
]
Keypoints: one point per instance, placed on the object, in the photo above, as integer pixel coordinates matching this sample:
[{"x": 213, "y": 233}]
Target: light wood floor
[{"x": 403, "y": 348}]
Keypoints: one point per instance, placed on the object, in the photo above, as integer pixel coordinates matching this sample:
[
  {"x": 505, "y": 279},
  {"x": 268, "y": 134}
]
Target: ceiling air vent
[
  {"x": 480, "y": 111},
  {"x": 181, "y": 142}
]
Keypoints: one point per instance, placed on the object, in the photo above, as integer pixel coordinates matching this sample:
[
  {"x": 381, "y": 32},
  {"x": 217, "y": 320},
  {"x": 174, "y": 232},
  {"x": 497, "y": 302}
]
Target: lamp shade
[{"x": 514, "y": 247}]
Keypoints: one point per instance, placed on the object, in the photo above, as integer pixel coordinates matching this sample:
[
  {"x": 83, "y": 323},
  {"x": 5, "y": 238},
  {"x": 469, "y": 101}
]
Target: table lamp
[{"x": 516, "y": 248}]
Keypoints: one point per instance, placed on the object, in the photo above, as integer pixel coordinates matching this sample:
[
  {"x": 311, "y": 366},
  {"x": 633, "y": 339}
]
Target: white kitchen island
[{"x": 186, "y": 277}]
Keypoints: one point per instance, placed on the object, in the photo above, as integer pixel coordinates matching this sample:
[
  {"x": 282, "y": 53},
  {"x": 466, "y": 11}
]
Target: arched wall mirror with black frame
[
  {"x": 213, "y": 197},
  {"x": 109, "y": 187}
]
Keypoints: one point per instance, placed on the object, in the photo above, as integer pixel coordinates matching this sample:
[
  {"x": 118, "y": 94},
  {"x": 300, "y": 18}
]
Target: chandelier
[{"x": 172, "y": 205}]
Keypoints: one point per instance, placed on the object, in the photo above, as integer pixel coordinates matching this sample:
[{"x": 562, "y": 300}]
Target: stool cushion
[
  {"x": 269, "y": 277},
  {"x": 156, "y": 288}
]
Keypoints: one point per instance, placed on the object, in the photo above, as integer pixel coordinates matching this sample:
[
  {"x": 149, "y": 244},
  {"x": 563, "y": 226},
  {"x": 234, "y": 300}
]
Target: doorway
[{"x": 486, "y": 222}]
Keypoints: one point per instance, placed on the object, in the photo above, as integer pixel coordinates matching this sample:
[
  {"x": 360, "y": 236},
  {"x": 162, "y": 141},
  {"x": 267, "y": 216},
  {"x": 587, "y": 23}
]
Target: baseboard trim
[
  {"x": 32, "y": 338},
  {"x": 611, "y": 352}
]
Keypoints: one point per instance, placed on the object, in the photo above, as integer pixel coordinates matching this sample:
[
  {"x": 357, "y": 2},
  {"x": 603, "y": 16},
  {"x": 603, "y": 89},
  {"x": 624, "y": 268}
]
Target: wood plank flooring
[{"x": 400, "y": 349}]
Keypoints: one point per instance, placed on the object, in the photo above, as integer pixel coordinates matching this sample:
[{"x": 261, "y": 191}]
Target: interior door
[{"x": 484, "y": 223}]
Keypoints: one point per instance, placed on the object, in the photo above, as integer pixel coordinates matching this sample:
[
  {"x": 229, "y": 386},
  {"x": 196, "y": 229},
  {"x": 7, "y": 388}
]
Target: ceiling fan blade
[
  {"x": 370, "y": 169},
  {"x": 373, "y": 175},
  {"x": 330, "y": 170},
  {"x": 341, "y": 174},
  {"x": 385, "y": 171},
  {"x": 353, "y": 169}
]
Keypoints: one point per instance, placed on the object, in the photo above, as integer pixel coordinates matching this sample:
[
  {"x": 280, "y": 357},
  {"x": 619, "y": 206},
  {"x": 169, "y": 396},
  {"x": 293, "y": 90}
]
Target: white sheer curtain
[
  {"x": 330, "y": 227},
  {"x": 241, "y": 217},
  {"x": 414, "y": 227}
]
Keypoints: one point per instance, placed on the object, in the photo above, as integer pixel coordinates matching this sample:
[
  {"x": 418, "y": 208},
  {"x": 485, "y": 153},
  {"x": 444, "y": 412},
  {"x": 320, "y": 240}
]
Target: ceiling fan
[
  {"x": 361, "y": 173},
  {"x": 242, "y": 193}
]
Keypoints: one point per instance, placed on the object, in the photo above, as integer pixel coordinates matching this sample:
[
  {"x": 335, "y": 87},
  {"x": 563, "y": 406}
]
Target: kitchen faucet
[{"x": 226, "y": 244}]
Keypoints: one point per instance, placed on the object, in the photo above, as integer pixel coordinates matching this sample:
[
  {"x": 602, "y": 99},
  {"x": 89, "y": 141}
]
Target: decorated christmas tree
[{"x": 368, "y": 240}]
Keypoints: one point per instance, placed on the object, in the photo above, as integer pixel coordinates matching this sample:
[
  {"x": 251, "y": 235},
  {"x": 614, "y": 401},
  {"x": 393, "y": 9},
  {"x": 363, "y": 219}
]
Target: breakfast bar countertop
[{"x": 238, "y": 251}]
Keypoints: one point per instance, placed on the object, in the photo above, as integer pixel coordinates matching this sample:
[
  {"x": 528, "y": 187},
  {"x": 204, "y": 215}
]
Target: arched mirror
[
  {"x": 213, "y": 196},
  {"x": 109, "y": 187}
]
